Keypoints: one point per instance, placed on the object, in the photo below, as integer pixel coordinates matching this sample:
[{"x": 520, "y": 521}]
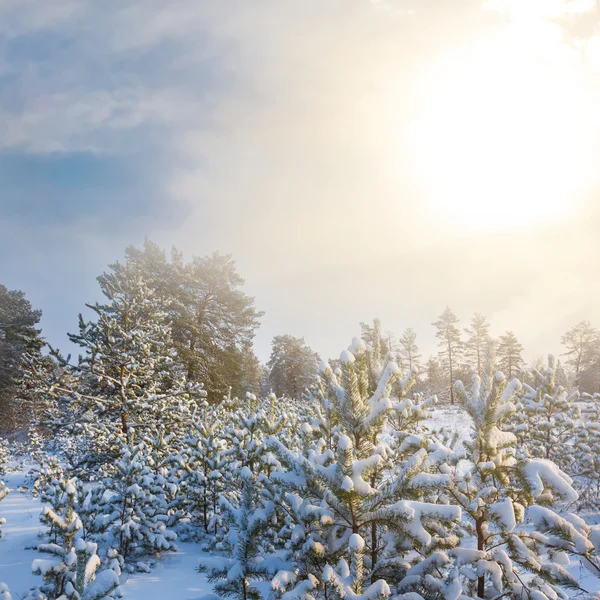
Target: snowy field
[{"x": 174, "y": 575}]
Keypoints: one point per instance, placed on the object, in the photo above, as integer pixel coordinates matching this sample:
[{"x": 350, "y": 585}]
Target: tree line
[{"x": 213, "y": 322}]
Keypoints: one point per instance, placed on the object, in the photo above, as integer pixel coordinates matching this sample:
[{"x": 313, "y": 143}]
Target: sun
[{"x": 503, "y": 139}]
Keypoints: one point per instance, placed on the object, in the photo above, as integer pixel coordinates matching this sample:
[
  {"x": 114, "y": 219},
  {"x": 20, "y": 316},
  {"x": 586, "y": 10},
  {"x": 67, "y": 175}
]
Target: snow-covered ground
[{"x": 175, "y": 576}]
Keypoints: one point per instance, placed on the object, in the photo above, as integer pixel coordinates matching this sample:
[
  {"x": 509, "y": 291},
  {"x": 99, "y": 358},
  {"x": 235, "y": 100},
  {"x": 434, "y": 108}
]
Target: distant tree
[
  {"x": 374, "y": 338},
  {"x": 293, "y": 366},
  {"x": 581, "y": 342},
  {"x": 212, "y": 319},
  {"x": 435, "y": 384},
  {"x": 251, "y": 371},
  {"x": 450, "y": 352},
  {"x": 509, "y": 354},
  {"x": 475, "y": 346},
  {"x": 409, "y": 348},
  {"x": 19, "y": 338}
]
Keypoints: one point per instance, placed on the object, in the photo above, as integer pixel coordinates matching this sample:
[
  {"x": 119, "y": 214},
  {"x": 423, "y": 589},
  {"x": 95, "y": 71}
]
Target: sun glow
[{"x": 504, "y": 139}]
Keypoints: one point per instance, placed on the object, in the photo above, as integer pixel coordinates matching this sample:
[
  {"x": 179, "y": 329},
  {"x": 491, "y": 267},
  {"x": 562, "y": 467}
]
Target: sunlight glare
[{"x": 503, "y": 140}]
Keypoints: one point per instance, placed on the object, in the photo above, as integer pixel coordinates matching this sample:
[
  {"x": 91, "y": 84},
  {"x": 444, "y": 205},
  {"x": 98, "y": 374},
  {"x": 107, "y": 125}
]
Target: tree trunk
[
  {"x": 480, "y": 546},
  {"x": 451, "y": 372}
]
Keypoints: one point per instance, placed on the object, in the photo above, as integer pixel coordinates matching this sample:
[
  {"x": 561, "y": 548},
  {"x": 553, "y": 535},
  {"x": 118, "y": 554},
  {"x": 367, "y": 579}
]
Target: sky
[{"x": 358, "y": 159}]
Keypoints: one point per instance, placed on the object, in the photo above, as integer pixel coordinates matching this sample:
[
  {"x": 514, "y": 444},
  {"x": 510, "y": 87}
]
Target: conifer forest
[
  {"x": 299, "y": 299},
  {"x": 370, "y": 475}
]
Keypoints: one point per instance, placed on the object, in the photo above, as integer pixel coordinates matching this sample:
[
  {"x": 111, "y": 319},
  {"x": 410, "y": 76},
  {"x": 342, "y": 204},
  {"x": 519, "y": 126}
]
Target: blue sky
[{"x": 275, "y": 131}]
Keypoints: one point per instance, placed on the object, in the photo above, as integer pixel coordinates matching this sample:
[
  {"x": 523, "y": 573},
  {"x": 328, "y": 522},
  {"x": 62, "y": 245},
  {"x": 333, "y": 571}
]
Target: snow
[
  {"x": 356, "y": 543},
  {"x": 346, "y": 357},
  {"x": 22, "y": 515},
  {"x": 174, "y": 576}
]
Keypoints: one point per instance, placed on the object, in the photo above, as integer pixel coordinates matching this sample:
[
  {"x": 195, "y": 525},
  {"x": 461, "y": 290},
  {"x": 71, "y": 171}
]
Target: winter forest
[
  {"x": 299, "y": 300},
  {"x": 370, "y": 475}
]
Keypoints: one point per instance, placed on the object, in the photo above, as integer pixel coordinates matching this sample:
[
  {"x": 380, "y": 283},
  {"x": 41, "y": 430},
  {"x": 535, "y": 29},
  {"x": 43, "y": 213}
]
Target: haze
[{"x": 357, "y": 158}]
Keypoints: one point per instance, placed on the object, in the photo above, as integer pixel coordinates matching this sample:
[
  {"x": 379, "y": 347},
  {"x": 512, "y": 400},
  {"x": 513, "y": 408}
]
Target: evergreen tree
[
  {"x": 71, "y": 573},
  {"x": 409, "y": 348},
  {"x": 450, "y": 352},
  {"x": 18, "y": 338},
  {"x": 509, "y": 354},
  {"x": 477, "y": 339},
  {"x": 130, "y": 376},
  {"x": 293, "y": 366},
  {"x": 5, "y": 455},
  {"x": 373, "y": 336},
  {"x": 205, "y": 466},
  {"x": 435, "y": 382},
  {"x": 251, "y": 371},
  {"x": 547, "y": 419},
  {"x": 246, "y": 523},
  {"x": 355, "y": 499},
  {"x": 494, "y": 490},
  {"x": 3, "y": 493},
  {"x": 581, "y": 342},
  {"x": 212, "y": 319},
  {"x": 135, "y": 515},
  {"x": 586, "y": 466}
]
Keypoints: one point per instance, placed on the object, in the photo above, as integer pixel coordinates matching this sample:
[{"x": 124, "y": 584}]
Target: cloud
[{"x": 273, "y": 130}]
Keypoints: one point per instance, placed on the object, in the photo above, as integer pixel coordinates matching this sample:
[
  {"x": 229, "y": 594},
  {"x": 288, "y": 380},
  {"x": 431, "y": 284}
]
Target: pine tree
[
  {"x": 251, "y": 371},
  {"x": 4, "y": 592},
  {"x": 18, "y": 338},
  {"x": 212, "y": 319},
  {"x": 293, "y": 366},
  {"x": 3, "y": 493},
  {"x": 134, "y": 516},
  {"x": 448, "y": 335},
  {"x": 246, "y": 525},
  {"x": 581, "y": 342},
  {"x": 477, "y": 339},
  {"x": 342, "y": 490},
  {"x": 129, "y": 377},
  {"x": 71, "y": 573},
  {"x": 509, "y": 354},
  {"x": 586, "y": 467},
  {"x": 409, "y": 348},
  {"x": 204, "y": 466},
  {"x": 548, "y": 419},
  {"x": 5, "y": 455},
  {"x": 373, "y": 336},
  {"x": 494, "y": 491}
]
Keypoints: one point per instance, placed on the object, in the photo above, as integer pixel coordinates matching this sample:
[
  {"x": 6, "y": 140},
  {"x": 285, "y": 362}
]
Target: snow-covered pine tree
[
  {"x": 129, "y": 377},
  {"x": 246, "y": 524},
  {"x": 4, "y": 592},
  {"x": 547, "y": 420},
  {"x": 204, "y": 466},
  {"x": 3, "y": 493},
  {"x": 356, "y": 488},
  {"x": 71, "y": 573},
  {"x": 568, "y": 534},
  {"x": 509, "y": 354},
  {"x": 5, "y": 455},
  {"x": 586, "y": 464},
  {"x": 63, "y": 525},
  {"x": 494, "y": 488},
  {"x": 477, "y": 339},
  {"x": 134, "y": 517}
]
